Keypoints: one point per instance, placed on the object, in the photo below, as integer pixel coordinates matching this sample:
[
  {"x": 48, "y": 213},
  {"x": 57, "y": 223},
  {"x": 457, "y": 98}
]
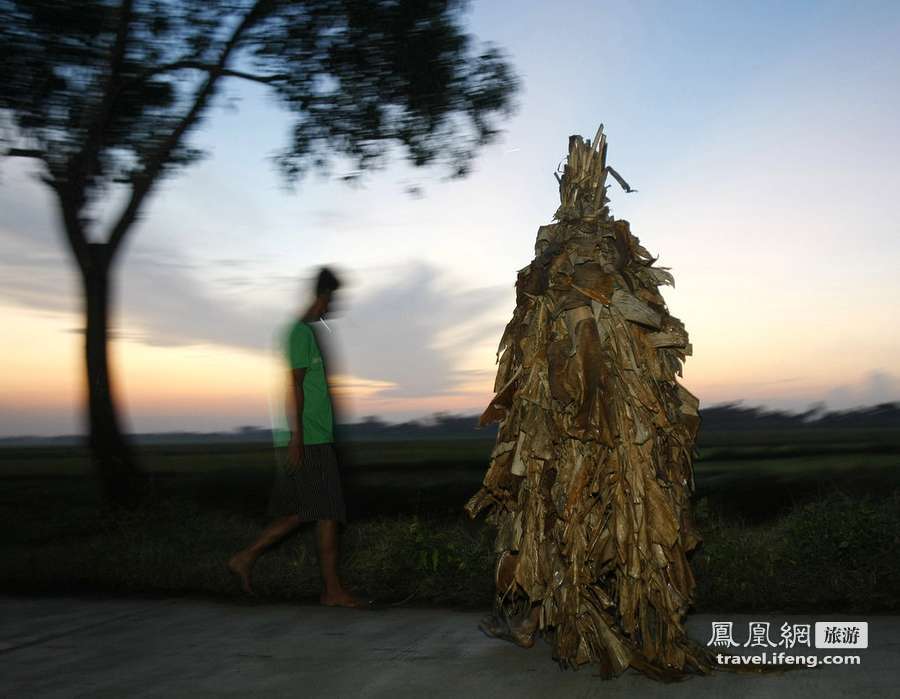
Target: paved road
[{"x": 68, "y": 647}]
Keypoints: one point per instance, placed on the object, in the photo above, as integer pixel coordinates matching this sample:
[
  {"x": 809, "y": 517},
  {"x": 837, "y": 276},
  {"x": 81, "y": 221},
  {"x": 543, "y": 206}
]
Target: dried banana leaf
[{"x": 589, "y": 485}]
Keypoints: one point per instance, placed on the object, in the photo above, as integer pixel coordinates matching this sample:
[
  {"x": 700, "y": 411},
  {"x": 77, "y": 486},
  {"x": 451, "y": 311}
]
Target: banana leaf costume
[{"x": 590, "y": 480}]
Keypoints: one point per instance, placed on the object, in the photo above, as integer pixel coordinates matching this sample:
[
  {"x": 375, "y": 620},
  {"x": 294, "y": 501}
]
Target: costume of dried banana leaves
[{"x": 590, "y": 480}]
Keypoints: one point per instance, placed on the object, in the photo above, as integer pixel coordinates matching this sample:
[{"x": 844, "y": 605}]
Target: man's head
[{"x": 326, "y": 284}]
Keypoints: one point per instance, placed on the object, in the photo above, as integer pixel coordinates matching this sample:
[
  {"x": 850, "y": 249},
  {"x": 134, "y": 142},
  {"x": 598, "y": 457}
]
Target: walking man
[{"x": 307, "y": 485}]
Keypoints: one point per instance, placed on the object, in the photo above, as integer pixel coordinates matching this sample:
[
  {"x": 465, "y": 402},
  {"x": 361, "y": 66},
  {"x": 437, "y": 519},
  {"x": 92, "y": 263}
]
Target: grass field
[{"x": 790, "y": 522}]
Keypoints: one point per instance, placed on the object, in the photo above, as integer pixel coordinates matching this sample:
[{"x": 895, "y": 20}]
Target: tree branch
[
  {"x": 94, "y": 138},
  {"x": 72, "y": 191},
  {"x": 176, "y": 66},
  {"x": 265, "y": 79},
  {"x": 144, "y": 181},
  {"x": 25, "y": 153}
]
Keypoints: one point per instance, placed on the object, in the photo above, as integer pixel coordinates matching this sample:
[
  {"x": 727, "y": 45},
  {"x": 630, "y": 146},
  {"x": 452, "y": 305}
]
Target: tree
[{"x": 106, "y": 94}]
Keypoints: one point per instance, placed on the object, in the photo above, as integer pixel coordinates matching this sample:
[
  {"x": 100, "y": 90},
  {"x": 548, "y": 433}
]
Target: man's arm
[{"x": 295, "y": 417}]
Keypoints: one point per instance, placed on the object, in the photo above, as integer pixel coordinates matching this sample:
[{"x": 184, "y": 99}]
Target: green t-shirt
[{"x": 302, "y": 352}]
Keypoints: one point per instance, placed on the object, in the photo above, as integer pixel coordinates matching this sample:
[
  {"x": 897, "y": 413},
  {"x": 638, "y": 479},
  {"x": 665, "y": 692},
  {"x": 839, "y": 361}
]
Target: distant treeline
[
  {"x": 719, "y": 418},
  {"x": 733, "y": 416}
]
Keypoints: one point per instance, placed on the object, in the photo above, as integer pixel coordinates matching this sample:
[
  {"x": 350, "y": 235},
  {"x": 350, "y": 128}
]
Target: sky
[{"x": 761, "y": 138}]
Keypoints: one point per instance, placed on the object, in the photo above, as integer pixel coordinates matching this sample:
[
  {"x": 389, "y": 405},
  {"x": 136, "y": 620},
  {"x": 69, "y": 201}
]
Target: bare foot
[
  {"x": 241, "y": 565},
  {"x": 493, "y": 627},
  {"x": 341, "y": 598},
  {"x": 522, "y": 636},
  {"x": 498, "y": 628}
]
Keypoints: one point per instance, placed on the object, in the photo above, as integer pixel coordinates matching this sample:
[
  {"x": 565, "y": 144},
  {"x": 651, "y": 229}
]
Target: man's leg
[
  {"x": 241, "y": 563},
  {"x": 334, "y": 594}
]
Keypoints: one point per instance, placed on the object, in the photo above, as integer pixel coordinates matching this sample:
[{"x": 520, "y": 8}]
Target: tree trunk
[{"x": 114, "y": 460}]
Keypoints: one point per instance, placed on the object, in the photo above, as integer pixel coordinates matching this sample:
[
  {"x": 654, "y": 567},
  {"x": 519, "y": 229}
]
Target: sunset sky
[{"x": 763, "y": 141}]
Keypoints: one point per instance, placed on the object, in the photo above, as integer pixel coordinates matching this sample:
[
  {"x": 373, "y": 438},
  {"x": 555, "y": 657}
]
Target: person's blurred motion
[{"x": 308, "y": 483}]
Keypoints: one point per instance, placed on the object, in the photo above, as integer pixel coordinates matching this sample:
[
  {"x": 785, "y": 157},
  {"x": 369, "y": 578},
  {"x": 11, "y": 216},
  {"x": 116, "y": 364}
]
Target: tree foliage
[{"x": 107, "y": 92}]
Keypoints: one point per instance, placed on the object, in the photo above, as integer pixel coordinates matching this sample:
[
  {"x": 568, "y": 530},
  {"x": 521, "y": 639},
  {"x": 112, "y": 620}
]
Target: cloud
[
  {"x": 159, "y": 298},
  {"x": 165, "y": 304},
  {"x": 414, "y": 328},
  {"x": 876, "y": 387},
  {"x": 871, "y": 388},
  {"x": 408, "y": 329},
  {"x": 36, "y": 273},
  {"x": 407, "y": 326}
]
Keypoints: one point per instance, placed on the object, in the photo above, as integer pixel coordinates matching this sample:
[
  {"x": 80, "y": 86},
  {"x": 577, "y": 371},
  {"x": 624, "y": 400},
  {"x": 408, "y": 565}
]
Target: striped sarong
[{"x": 313, "y": 490}]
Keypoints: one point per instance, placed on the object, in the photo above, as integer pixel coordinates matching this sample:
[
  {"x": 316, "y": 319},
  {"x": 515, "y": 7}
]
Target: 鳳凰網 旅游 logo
[{"x": 764, "y": 634}]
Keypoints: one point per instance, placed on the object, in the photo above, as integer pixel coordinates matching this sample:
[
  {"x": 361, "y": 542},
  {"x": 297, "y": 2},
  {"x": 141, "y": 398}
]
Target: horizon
[{"x": 813, "y": 413}]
